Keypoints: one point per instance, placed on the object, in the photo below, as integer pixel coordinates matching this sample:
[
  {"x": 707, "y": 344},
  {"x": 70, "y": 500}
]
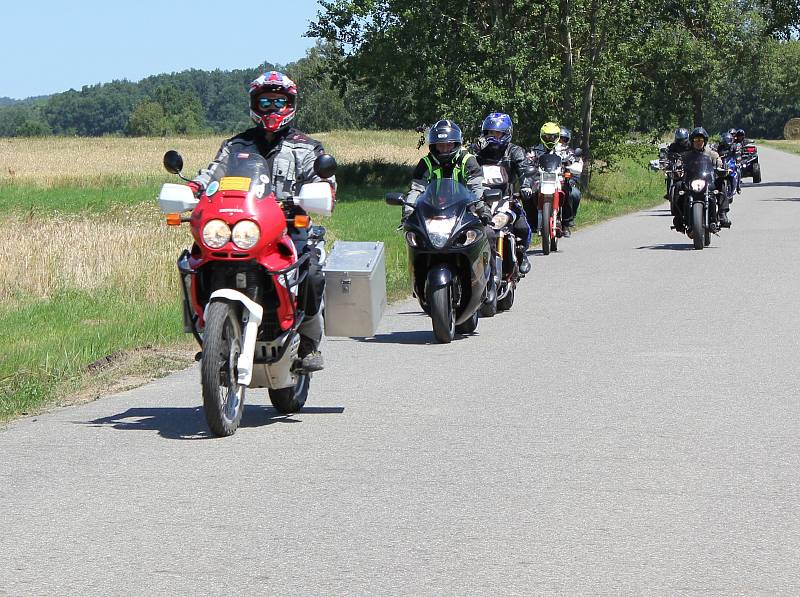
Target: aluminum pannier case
[{"x": 355, "y": 288}]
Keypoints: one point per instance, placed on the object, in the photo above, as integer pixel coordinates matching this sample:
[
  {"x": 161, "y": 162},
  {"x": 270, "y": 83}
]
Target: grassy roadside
[
  {"x": 103, "y": 306},
  {"x": 782, "y": 144}
]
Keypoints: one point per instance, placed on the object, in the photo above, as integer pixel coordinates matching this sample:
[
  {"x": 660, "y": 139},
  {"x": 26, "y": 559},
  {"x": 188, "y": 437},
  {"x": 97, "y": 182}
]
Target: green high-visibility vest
[{"x": 459, "y": 170}]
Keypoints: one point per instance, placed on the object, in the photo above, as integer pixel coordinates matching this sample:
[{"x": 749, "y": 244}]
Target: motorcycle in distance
[
  {"x": 750, "y": 166},
  {"x": 504, "y": 254},
  {"x": 448, "y": 256},
  {"x": 550, "y": 195},
  {"x": 698, "y": 199},
  {"x": 672, "y": 167},
  {"x": 240, "y": 282},
  {"x": 731, "y": 180}
]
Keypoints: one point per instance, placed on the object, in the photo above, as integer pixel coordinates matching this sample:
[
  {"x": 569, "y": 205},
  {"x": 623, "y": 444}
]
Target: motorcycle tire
[
  {"x": 756, "y": 173},
  {"x": 698, "y": 225},
  {"x": 505, "y": 303},
  {"x": 290, "y": 400},
  {"x": 469, "y": 326},
  {"x": 547, "y": 226},
  {"x": 443, "y": 314},
  {"x": 223, "y": 397}
]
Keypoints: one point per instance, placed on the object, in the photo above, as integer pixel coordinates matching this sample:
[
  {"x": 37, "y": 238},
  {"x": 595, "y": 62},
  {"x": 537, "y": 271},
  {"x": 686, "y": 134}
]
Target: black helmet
[
  {"x": 739, "y": 135},
  {"x": 699, "y": 132},
  {"x": 725, "y": 140},
  {"x": 444, "y": 131},
  {"x": 681, "y": 136}
]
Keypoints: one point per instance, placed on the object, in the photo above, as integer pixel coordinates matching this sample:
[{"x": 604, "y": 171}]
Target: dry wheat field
[{"x": 47, "y": 162}]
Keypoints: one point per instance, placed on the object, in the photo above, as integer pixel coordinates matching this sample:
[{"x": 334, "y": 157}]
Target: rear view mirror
[
  {"x": 394, "y": 199},
  {"x": 325, "y": 166},
  {"x": 173, "y": 162}
]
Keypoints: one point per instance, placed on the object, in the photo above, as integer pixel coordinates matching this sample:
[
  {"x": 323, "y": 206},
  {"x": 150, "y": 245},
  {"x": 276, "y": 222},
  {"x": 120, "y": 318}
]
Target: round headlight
[
  {"x": 246, "y": 234},
  {"x": 698, "y": 185},
  {"x": 216, "y": 233},
  {"x": 470, "y": 236}
]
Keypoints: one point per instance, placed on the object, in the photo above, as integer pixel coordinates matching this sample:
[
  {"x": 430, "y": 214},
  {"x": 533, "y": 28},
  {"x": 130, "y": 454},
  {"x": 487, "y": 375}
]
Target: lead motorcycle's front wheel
[
  {"x": 698, "y": 225},
  {"x": 443, "y": 314},
  {"x": 223, "y": 397}
]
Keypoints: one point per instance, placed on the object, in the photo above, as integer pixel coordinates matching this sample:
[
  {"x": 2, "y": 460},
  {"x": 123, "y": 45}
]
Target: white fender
[{"x": 251, "y": 318}]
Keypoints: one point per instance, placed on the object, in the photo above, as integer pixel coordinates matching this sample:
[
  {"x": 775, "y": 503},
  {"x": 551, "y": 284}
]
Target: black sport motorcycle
[
  {"x": 448, "y": 256},
  {"x": 698, "y": 199}
]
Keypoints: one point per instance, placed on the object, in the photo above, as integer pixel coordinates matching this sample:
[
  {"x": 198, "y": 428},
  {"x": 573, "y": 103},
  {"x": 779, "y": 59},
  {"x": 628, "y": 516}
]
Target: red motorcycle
[
  {"x": 550, "y": 197},
  {"x": 240, "y": 282}
]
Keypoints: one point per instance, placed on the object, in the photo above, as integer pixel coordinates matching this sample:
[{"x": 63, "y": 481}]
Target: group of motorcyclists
[
  {"x": 686, "y": 146},
  {"x": 290, "y": 155}
]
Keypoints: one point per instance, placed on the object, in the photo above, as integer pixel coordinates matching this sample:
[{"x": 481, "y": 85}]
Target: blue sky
[{"x": 51, "y": 46}]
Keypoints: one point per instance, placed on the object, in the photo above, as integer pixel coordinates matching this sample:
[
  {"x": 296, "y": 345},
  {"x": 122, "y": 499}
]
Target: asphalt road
[{"x": 631, "y": 426}]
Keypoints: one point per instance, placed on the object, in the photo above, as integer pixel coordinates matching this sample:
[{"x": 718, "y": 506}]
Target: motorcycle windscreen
[
  {"x": 443, "y": 194},
  {"x": 248, "y": 172},
  {"x": 697, "y": 166},
  {"x": 550, "y": 162}
]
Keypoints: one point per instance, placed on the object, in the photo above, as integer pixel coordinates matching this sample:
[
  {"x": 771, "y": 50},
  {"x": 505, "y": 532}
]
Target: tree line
[{"x": 605, "y": 69}]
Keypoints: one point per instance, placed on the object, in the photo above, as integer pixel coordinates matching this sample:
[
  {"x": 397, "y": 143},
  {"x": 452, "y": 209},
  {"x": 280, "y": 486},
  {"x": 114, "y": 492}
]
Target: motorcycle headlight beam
[
  {"x": 246, "y": 234},
  {"x": 216, "y": 234},
  {"x": 698, "y": 185}
]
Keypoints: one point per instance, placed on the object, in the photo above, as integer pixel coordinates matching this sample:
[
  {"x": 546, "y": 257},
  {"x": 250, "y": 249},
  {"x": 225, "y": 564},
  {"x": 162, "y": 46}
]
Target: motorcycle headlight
[
  {"x": 698, "y": 185},
  {"x": 216, "y": 233},
  {"x": 439, "y": 230},
  {"x": 245, "y": 234},
  {"x": 470, "y": 237},
  {"x": 499, "y": 220}
]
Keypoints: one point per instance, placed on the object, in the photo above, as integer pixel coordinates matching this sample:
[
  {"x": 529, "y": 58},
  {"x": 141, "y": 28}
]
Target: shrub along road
[{"x": 629, "y": 426}]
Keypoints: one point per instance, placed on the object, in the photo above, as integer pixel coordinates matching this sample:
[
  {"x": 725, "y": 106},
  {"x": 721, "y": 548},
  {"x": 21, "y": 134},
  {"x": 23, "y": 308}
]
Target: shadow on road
[
  {"x": 408, "y": 337},
  {"x": 783, "y": 199},
  {"x": 669, "y": 247},
  {"x": 190, "y": 423}
]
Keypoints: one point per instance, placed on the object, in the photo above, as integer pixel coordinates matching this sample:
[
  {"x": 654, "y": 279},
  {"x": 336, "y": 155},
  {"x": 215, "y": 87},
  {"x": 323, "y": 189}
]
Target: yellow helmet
[{"x": 549, "y": 134}]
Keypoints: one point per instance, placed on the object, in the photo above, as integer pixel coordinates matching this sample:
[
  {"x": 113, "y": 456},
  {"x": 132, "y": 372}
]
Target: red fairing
[{"x": 274, "y": 249}]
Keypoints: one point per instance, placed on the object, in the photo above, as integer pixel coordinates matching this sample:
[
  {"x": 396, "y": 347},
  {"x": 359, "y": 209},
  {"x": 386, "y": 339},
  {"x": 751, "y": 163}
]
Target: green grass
[
  {"x": 49, "y": 342},
  {"x": 783, "y": 145}
]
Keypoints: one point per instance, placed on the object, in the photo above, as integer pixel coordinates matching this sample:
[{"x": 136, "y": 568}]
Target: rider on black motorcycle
[
  {"x": 290, "y": 155},
  {"x": 698, "y": 140},
  {"x": 494, "y": 147}
]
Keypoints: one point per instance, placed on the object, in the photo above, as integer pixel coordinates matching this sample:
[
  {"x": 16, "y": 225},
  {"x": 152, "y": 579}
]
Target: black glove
[{"x": 484, "y": 213}]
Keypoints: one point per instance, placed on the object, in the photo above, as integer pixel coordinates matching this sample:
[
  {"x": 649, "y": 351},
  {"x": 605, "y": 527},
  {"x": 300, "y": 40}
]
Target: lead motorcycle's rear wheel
[
  {"x": 223, "y": 397},
  {"x": 290, "y": 400}
]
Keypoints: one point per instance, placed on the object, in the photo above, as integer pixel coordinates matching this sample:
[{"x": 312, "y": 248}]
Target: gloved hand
[
  {"x": 484, "y": 213},
  {"x": 196, "y": 188},
  {"x": 407, "y": 211}
]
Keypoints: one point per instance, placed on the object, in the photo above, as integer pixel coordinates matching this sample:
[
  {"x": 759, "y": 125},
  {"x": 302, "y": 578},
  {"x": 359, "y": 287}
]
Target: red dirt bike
[
  {"x": 550, "y": 198},
  {"x": 240, "y": 282}
]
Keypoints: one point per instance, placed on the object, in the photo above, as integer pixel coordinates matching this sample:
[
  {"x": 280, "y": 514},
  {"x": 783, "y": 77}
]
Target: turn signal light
[
  {"x": 301, "y": 221},
  {"x": 567, "y": 174},
  {"x": 173, "y": 219}
]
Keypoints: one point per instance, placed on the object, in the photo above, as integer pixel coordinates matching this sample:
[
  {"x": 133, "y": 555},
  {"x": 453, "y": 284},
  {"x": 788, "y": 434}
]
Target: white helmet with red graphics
[{"x": 266, "y": 109}]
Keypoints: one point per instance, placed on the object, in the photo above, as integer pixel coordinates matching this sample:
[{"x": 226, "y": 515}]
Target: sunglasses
[{"x": 265, "y": 102}]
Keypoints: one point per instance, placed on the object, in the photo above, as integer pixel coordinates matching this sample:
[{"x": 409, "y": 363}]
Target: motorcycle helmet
[
  {"x": 276, "y": 114},
  {"x": 682, "y": 136},
  {"x": 699, "y": 132},
  {"x": 500, "y": 122},
  {"x": 444, "y": 131},
  {"x": 725, "y": 141},
  {"x": 548, "y": 134},
  {"x": 739, "y": 135},
  {"x": 565, "y": 135}
]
